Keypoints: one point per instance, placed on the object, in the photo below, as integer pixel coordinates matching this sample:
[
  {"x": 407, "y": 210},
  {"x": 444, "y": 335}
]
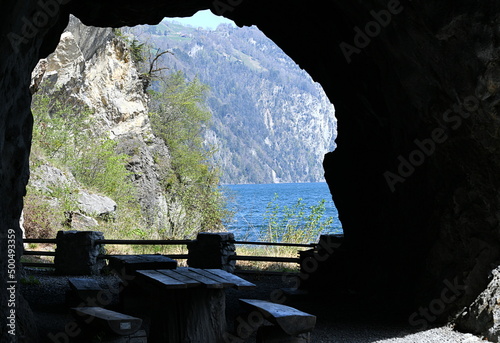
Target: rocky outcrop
[
  {"x": 416, "y": 90},
  {"x": 148, "y": 162},
  {"x": 80, "y": 222},
  {"x": 94, "y": 68},
  {"x": 48, "y": 179},
  {"x": 483, "y": 315}
]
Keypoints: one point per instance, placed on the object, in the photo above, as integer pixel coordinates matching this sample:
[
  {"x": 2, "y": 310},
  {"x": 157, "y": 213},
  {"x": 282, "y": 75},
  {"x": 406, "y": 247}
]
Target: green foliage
[
  {"x": 101, "y": 168},
  {"x": 137, "y": 50},
  {"x": 179, "y": 118},
  {"x": 296, "y": 223},
  {"x": 63, "y": 136},
  {"x": 118, "y": 32},
  {"x": 178, "y": 113},
  {"x": 40, "y": 219},
  {"x": 58, "y": 129}
]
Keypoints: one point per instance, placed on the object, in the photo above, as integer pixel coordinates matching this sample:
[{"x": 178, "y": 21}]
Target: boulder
[
  {"x": 80, "y": 222},
  {"x": 96, "y": 205}
]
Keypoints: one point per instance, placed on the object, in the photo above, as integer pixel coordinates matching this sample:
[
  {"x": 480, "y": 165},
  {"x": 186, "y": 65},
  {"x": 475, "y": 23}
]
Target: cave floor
[{"x": 46, "y": 294}]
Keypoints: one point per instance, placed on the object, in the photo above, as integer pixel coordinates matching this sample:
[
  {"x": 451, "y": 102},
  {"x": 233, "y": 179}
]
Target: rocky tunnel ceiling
[{"x": 415, "y": 85}]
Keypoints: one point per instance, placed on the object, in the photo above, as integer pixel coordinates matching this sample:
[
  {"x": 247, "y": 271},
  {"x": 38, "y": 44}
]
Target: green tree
[
  {"x": 137, "y": 51},
  {"x": 180, "y": 118}
]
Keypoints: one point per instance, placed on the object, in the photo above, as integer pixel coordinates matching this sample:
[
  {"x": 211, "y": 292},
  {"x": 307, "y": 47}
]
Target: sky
[{"x": 205, "y": 19}]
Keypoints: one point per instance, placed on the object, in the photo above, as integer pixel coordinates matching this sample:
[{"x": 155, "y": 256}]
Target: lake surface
[{"x": 250, "y": 203}]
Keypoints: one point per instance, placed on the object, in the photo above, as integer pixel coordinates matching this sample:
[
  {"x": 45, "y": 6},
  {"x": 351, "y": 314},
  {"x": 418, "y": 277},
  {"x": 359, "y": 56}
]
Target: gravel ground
[{"x": 48, "y": 301}]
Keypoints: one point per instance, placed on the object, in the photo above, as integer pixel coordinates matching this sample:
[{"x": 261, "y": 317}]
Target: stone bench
[
  {"x": 290, "y": 324},
  {"x": 109, "y": 326},
  {"x": 82, "y": 290}
]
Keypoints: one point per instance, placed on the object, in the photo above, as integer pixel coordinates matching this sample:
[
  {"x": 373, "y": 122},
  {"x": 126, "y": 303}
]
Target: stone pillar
[
  {"x": 212, "y": 250},
  {"x": 329, "y": 242},
  {"x": 76, "y": 253}
]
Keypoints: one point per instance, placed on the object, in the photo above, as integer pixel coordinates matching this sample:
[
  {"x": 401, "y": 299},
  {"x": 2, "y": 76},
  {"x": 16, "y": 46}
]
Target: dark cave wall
[
  {"x": 421, "y": 76},
  {"x": 423, "y": 89},
  {"x": 20, "y": 46},
  {"x": 431, "y": 73}
]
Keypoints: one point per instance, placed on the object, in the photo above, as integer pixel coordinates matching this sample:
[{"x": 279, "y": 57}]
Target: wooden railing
[
  {"x": 148, "y": 242},
  {"x": 167, "y": 242},
  {"x": 270, "y": 258}
]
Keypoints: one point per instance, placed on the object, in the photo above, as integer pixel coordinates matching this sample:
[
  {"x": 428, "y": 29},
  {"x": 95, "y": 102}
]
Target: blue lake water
[{"x": 250, "y": 202}]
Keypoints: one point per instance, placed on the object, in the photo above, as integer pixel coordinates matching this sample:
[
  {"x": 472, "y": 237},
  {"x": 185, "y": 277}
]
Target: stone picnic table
[
  {"x": 131, "y": 263},
  {"x": 188, "y": 304},
  {"x": 185, "y": 304}
]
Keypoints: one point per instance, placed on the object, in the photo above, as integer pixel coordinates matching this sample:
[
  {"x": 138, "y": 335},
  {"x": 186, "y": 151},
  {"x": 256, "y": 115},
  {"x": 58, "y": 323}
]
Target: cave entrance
[
  {"x": 396, "y": 90},
  {"x": 271, "y": 125}
]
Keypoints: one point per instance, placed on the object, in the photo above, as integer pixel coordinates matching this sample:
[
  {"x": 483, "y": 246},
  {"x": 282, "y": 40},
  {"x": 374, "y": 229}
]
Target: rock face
[
  {"x": 47, "y": 178},
  {"x": 96, "y": 69},
  {"x": 81, "y": 222},
  {"x": 483, "y": 315},
  {"x": 415, "y": 175},
  {"x": 148, "y": 161},
  {"x": 92, "y": 67}
]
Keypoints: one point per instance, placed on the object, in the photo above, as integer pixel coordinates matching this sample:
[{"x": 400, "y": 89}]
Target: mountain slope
[
  {"x": 272, "y": 123},
  {"x": 93, "y": 138}
]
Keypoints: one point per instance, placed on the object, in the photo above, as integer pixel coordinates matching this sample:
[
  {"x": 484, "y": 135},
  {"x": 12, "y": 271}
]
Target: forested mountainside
[{"x": 271, "y": 121}]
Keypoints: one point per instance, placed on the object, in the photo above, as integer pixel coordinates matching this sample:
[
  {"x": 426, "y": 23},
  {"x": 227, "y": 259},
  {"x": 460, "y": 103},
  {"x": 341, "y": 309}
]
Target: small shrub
[
  {"x": 102, "y": 169},
  {"x": 294, "y": 224},
  {"x": 40, "y": 219}
]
